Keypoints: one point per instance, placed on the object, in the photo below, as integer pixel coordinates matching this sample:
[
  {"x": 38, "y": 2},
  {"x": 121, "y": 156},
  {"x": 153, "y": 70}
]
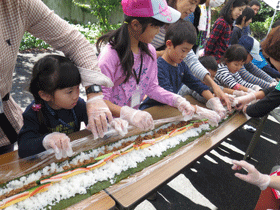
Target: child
[
  {"x": 218, "y": 41},
  {"x": 242, "y": 21},
  {"x": 131, "y": 63},
  {"x": 57, "y": 109},
  {"x": 172, "y": 70},
  {"x": 227, "y": 74}
]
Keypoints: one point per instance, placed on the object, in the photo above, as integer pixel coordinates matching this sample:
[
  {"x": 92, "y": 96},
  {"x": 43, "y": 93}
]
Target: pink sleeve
[
  {"x": 109, "y": 67},
  {"x": 154, "y": 90}
]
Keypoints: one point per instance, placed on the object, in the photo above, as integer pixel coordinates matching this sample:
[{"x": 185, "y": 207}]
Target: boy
[{"x": 173, "y": 72}]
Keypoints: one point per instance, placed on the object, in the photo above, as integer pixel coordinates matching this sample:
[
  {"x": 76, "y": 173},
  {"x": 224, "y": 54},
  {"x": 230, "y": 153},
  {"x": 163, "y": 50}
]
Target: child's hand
[
  {"x": 120, "y": 126},
  {"x": 138, "y": 118},
  {"x": 216, "y": 105},
  {"x": 212, "y": 116},
  {"x": 185, "y": 107},
  {"x": 98, "y": 113},
  {"x": 60, "y": 143}
]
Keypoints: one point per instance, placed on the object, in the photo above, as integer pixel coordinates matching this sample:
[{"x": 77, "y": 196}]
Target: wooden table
[{"x": 131, "y": 195}]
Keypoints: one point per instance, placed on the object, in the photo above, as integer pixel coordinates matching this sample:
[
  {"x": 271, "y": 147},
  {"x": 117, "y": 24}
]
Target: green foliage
[
  {"x": 102, "y": 9},
  {"x": 28, "y": 41},
  {"x": 90, "y": 31}
]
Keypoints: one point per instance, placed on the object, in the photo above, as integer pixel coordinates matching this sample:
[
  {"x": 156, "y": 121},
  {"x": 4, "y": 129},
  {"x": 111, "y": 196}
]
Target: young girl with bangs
[
  {"x": 131, "y": 63},
  {"x": 219, "y": 39},
  {"x": 227, "y": 74},
  {"x": 57, "y": 109}
]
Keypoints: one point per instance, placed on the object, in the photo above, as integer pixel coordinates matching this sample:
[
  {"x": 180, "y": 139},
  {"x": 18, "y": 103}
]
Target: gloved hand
[
  {"x": 253, "y": 176},
  {"x": 256, "y": 88},
  {"x": 273, "y": 84},
  {"x": 138, "y": 118},
  {"x": 216, "y": 105},
  {"x": 185, "y": 107},
  {"x": 250, "y": 90},
  {"x": 212, "y": 116},
  {"x": 241, "y": 101},
  {"x": 239, "y": 93},
  {"x": 60, "y": 143},
  {"x": 120, "y": 126},
  {"x": 98, "y": 113}
]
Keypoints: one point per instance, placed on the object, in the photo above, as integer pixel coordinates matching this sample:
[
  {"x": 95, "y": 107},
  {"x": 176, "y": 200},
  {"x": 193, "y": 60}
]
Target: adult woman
[
  {"x": 221, "y": 32},
  {"x": 18, "y": 16},
  {"x": 186, "y": 7},
  {"x": 269, "y": 101}
]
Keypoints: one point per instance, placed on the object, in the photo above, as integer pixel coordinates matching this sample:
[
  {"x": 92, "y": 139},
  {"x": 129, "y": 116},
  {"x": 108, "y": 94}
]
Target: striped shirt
[
  {"x": 252, "y": 74},
  {"x": 225, "y": 78},
  {"x": 18, "y": 16},
  {"x": 191, "y": 60}
]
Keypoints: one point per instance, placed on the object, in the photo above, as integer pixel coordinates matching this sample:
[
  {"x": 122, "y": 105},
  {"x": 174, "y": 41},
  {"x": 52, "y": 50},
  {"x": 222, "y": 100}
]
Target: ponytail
[{"x": 120, "y": 41}]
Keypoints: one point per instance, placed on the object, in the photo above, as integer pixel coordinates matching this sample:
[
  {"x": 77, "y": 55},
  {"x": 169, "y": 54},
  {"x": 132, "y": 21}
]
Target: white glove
[
  {"x": 241, "y": 101},
  {"x": 250, "y": 90},
  {"x": 138, "y": 118},
  {"x": 60, "y": 143},
  {"x": 98, "y": 113},
  {"x": 212, "y": 116},
  {"x": 216, "y": 105},
  {"x": 239, "y": 93},
  {"x": 273, "y": 84},
  {"x": 120, "y": 126},
  {"x": 185, "y": 107},
  {"x": 256, "y": 88},
  {"x": 253, "y": 177}
]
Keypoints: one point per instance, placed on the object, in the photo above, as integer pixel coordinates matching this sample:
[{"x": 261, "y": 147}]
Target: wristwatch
[{"x": 94, "y": 89}]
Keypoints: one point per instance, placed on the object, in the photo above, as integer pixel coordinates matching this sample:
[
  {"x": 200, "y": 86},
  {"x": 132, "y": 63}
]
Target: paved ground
[{"x": 180, "y": 193}]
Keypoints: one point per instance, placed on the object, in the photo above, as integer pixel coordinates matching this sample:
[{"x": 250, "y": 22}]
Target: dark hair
[
  {"x": 254, "y": 2},
  {"x": 248, "y": 12},
  {"x": 209, "y": 62},
  {"x": 270, "y": 45},
  {"x": 180, "y": 32},
  {"x": 275, "y": 24},
  {"x": 229, "y": 6},
  {"x": 120, "y": 41},
  {"x": 50, "y": 73},
  {"x": 235, "y": 52},
  {"x": 172, "y": 3}
]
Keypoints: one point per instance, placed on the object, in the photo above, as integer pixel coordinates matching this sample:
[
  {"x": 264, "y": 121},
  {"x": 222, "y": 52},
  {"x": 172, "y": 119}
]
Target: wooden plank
[
  {"x": 138, "y": 191},
  {"x": 100, "y": 201}
]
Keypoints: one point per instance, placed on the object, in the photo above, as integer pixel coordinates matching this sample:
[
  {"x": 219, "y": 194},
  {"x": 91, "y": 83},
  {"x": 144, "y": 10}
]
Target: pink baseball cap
[{"x": 157, "y": 9}]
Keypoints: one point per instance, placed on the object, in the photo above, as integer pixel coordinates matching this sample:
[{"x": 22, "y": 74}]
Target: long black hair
[
  {"x": 229, "y": 6},
  {"x": 235, "y": 52},
  {"x": 248, "y": 12},
  {"x": 50, "y": 73},
  {"x": 120, "y": 41}
]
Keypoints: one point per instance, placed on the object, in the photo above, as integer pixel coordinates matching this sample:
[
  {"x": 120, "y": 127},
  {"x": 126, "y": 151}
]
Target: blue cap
[{"x": 251, "y": 45}]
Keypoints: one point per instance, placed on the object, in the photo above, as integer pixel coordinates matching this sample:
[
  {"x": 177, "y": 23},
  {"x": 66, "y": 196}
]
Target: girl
[
  {"x": 218, "y": 41},
  {"x": 131, "y": 63},
  {"x": 186, "y": 7},
  {"x": 227, "y": 74},
  {"x": 57, "y": 109},
  {"x": 242, "y": 21}
]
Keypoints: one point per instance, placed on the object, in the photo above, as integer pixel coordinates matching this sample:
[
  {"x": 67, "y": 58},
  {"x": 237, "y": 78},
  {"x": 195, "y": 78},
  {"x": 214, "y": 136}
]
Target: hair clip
[{"x": 36, "y": 107}]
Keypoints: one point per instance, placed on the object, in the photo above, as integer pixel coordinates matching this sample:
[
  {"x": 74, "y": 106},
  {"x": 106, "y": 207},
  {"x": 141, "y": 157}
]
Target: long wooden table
[
  {"x": 132, "y": 194},
  {"x": 128, "y": 196}
]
